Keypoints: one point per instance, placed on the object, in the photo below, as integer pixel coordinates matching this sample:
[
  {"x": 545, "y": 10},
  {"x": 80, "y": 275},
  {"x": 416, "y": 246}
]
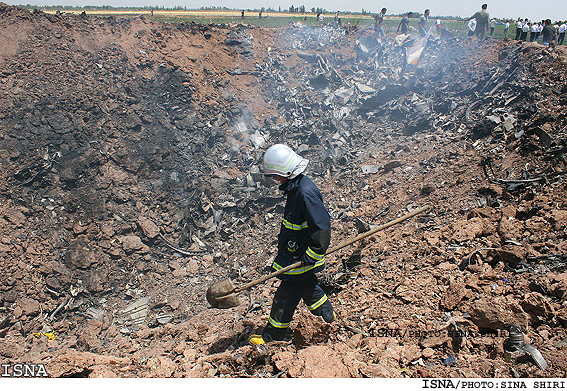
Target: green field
[{"x": 282, "y": 19}]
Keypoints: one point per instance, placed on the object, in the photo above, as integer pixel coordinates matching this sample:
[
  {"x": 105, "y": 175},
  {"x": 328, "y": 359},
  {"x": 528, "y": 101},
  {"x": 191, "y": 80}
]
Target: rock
[
  {"x": 558, "y": 287},
  {"x": 89, "y": 336},
  {"x": 5, "y": 248},
  {"x": 562, "y": 315},
  {"x": 390, "y": 355},
  {"x": 313, "y": 362},
  {"x": 71, "y": 363},
  {"x": 447, "y": 266},
  {"x": 432, "y": 238},
  {"x": 192, "y": 267},
  {"x": 132, "y": 121},
  {"x": 510, "y": 228},
  {"x": 511, "y": 254},
  {"x": 509, "y": 211},
  {"x": 162, "y": 367},
  {"x": 427, "y": 352},
  {"x": 180, "y": 273},
  {"x": 148, "y": 227},
  {"x": 207, "y": 260},
  {"x": 190, "y": 355},
  {"x": 435, "y": 341},
  {"x": 468, "y": 229},
  {"x": 537, "y": 304},
  {"x": 15, "y": 217},
  {"x": 80, "y": 254},
  {"x": 391, "y": 165},
  {"x": 283, "y": 360},
  {"x": 536, "y": 224},
  {"x": 380, "y": 371},
  {"x": 18, "y": 312},
  {"x": 497, "y": 313},
  {"x": 13, "y": 345},
  {"x": 409, "y": 353},
  {"x": 559, "y": 219},
  {"x": 355, "y": 340},
  {"x": 405, "y": 293},
  {"x": 454, "y": 294},
  {"x": 133, "y": 243},
  {"x": 79, "y": 227},
  {"x": 107, "y": 230},
  {"x": 30, "y": 307}
]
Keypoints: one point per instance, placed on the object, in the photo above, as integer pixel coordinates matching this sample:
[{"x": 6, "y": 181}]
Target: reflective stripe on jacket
[{"x": 305, "y": 231}]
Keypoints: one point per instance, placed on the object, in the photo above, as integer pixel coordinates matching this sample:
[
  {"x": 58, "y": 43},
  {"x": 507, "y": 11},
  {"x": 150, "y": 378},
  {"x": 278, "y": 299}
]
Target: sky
[{"x": 533, "y": 10}]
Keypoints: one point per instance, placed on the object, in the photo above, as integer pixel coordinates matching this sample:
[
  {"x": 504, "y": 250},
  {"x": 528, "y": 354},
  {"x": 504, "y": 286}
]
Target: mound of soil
[{"x": 130, "y": 155}]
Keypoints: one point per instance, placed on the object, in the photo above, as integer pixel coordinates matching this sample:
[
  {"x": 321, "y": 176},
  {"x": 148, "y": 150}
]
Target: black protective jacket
[{"x": 305, "y": 232}]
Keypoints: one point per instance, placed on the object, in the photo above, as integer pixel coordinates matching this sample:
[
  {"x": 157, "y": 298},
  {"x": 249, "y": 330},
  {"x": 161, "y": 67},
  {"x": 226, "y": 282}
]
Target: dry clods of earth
[{"x": 130, "y": 163}]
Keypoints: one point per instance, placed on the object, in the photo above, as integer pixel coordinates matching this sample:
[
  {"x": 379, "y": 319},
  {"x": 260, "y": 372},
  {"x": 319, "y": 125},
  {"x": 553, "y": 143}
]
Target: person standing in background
[
  {"x": 320, "y": 18},
  {"x": 482, "y": 17},
  {"x": 378, "y": 20},
  {"x": 506, "y": 27},
  {"x": 338, "y": 19},
  {"x": 423, "y": 23},
  {"x": 525, "y": 30},
  {"x": 519, "y": 25},
  {"x": 539, "y": 29},
  {"x": 533, "y": 33},
  {"x": 492, "y": 26},
  {"x": 549, "y": 33},
  {"x": 562, "y": 29},
  {"x": 404, "y": 24}
]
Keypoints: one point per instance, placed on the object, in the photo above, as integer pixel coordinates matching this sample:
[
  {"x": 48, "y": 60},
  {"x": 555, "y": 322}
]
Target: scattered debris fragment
[{"x": 130, "y": 157}]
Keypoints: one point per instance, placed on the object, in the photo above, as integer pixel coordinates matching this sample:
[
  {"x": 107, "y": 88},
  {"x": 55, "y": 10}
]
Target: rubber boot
[{"x": 256, "y": 339}]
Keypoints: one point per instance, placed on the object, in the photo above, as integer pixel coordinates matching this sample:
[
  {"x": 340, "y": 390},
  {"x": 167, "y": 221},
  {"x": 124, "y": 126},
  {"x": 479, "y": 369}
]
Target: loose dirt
[{"x": 122, "y": 139}]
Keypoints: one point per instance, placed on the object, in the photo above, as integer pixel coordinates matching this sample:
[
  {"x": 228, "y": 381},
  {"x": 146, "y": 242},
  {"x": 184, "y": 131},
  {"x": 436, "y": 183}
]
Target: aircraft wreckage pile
[{"x": 130, "y": 158}]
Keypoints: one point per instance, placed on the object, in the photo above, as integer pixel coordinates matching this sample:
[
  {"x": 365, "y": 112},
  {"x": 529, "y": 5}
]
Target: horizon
[{"x": 498, "y": 9}]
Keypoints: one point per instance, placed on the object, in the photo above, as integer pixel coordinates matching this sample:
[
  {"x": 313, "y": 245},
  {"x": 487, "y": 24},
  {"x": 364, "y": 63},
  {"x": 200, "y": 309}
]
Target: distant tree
[
  {"x": 313, "y": 9},
  {"x": 302, "y": 9}
]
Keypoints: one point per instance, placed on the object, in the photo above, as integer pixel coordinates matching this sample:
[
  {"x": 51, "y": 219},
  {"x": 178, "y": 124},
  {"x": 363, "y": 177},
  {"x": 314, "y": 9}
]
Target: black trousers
[
  {"x": 524, "y": 35},
  {"x": 561, "y": 38},
  {"x": 518, "y": 33},
  {"x": 479, "y": 31},
  {"x": 286, "y": 299}
]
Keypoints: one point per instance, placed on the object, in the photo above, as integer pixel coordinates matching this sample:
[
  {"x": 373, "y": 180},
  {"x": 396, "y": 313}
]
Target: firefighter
[{"x": 305, "y": 234}]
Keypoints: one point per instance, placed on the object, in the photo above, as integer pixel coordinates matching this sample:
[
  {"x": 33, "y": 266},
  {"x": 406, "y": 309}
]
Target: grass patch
[{"x": 278, "y": 20}]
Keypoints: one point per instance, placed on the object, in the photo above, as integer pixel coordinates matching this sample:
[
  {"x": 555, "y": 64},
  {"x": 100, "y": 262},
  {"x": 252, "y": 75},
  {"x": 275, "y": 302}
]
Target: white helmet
[{"x": 280, "y": 160}]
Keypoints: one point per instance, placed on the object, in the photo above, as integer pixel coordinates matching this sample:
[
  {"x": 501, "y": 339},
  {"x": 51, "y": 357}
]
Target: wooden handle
[
  {"x": 332, "y": 250},
  {"x": 376, "y": 229},
  {"x": 267, "y": 277}
]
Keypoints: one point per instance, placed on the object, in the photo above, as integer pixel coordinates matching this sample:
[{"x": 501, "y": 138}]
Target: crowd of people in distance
[
  {"x": 527, "y": 30},
  {"x": 481, "y": 24}
]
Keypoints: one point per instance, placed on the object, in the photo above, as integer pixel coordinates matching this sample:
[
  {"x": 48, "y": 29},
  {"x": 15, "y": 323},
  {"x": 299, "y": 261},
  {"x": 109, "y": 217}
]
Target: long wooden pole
[{"x": 333, "y": 249}]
